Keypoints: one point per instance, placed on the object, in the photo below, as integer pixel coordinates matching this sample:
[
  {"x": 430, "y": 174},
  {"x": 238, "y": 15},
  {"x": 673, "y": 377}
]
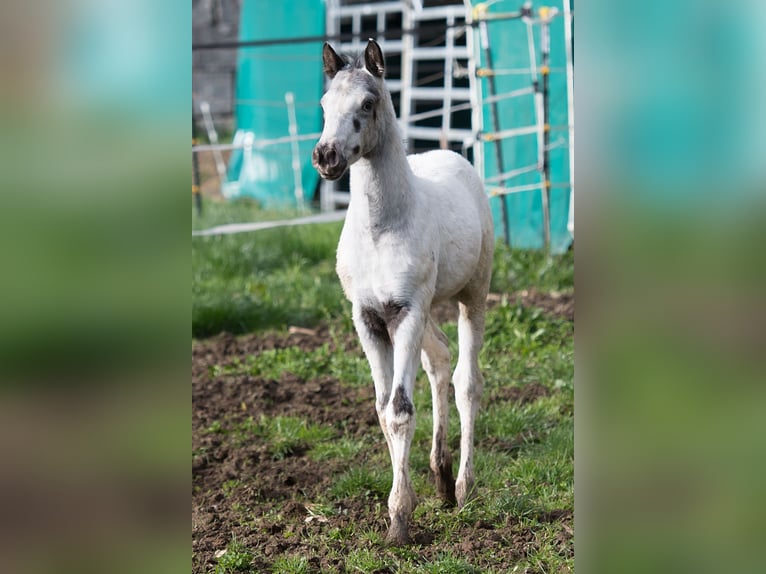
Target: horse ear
[
  {"x": 373, "y": 59},
  {"x": 331, "y": 61}
]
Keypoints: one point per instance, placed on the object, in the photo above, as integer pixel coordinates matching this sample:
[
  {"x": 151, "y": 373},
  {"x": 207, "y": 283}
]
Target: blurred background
[
  {"x": 94, "y": 311},
  {"x": 671, "y": 313}
]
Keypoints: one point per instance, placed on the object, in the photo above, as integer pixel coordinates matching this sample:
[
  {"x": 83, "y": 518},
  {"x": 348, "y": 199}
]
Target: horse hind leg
[
  {"x": 469, "y": 384},
  {"x": 435, "y": 358}
]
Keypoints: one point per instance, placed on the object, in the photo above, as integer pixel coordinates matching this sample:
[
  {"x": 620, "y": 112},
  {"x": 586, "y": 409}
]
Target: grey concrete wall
[{"x": 214, "y": 71}]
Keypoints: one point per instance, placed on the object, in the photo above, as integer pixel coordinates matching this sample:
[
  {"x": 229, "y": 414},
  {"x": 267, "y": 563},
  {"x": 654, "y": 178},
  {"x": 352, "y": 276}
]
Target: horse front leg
[
  {"x": 379, "y": 351},
  {"x": 405, "y": 325}
]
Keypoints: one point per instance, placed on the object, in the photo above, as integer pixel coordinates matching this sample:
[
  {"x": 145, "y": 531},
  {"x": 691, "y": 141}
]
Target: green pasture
[{"x": 273, "y": 279}]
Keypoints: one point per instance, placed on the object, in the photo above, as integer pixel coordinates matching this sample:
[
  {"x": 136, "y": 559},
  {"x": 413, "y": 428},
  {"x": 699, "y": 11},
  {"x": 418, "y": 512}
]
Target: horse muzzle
[{"x": 328, "y": 160}]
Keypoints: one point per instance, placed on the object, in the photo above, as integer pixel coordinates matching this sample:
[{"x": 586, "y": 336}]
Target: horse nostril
[
  {"x": 317, "y": 156},
  {"x": 332, "y": 157}
]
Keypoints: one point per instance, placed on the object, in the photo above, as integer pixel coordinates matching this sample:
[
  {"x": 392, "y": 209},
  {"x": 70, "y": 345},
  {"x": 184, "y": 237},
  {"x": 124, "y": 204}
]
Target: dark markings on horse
[
  {"x": 401, "y": 403},
  {"x": 375, "y": 324},
  {"x": 357, "y": 149},
  {"x": 382, "y": 325},
  {"x": 374, "y": 116},
  {"x": 393, "y": 314},
  {"x": 445, "y": 483},
  {"x": 357, "y": 126}
]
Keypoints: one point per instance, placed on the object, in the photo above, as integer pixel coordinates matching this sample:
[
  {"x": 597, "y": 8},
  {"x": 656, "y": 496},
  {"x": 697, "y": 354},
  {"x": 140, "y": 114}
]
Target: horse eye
[{"x": 367, "y": 106}]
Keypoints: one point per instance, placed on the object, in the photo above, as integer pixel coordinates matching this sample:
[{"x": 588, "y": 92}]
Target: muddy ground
[{"x": 283, "y": 485}]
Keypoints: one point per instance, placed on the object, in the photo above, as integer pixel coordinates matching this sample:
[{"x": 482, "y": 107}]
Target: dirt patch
[
  {"x": 554, "y": 303},
  {"x": 210, "y": 185},
  {"x": 523, "y": 395},
  {"x": 225, "y": 348},
  {"x": 240, "y": 489}
]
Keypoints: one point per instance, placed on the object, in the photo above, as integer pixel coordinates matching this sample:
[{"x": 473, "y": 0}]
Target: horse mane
[{"x": 353, "y": 61}]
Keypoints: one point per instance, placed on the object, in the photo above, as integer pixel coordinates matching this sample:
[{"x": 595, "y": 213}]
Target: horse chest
[{"x": 382, "y": 271}]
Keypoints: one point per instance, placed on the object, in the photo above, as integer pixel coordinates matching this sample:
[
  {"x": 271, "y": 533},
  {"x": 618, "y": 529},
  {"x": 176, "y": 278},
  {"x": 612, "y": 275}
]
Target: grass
[
  {"x": 236, "y": 559},
  {"x": 516, "y": 269},
  {"x": 272, "y": 279},
  {"x": 363, "y": 480},
  {"x": 272, "y": 363},
  {"x": 288, "y": 434},
  {"x": 284, "y": 434},
  {"x": 342, "y": 448},
  {"x": 291, "y": 565},
  {"x": 364, "y": 560}
]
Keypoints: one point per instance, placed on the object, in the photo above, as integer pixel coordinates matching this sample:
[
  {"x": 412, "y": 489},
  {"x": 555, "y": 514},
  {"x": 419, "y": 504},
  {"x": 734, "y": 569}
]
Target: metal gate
[{"x": 426, "y": 50}]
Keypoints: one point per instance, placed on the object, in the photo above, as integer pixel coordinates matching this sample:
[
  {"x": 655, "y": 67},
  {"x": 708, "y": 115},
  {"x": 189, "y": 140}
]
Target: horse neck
[{"x": 381, "y": 182}]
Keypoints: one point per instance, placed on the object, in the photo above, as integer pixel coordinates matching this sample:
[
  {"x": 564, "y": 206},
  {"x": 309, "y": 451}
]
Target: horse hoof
[
  {"x": 445, "y": 487},
  {"x": 464, "y": 493},
  {"x": 398, "y": 534},
  {"x": 446, "y": 494},
  {"x": 397, "y": 539}
]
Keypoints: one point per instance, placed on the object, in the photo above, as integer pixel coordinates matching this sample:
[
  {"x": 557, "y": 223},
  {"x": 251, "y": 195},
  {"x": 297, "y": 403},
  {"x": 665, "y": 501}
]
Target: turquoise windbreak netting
[
  {"x": 508, "y": 43},
  {"x": 264, "y": 75}
]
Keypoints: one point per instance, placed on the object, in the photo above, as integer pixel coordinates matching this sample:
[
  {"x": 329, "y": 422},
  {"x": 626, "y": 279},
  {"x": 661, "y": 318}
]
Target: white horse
[{"x": 418, "y": 231}]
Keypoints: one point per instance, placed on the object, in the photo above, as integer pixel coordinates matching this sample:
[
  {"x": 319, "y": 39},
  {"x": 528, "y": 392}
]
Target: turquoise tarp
[
  {"x": 264, "y": 75},
  {"x": 509, "y": 50}
]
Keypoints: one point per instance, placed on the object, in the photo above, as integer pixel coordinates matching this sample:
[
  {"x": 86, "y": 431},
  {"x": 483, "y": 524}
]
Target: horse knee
[{"x": 468, "y": 380}]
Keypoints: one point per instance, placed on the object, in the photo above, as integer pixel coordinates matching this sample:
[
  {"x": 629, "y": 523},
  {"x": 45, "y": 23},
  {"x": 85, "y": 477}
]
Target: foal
[{"x": 418, "y": 231}]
